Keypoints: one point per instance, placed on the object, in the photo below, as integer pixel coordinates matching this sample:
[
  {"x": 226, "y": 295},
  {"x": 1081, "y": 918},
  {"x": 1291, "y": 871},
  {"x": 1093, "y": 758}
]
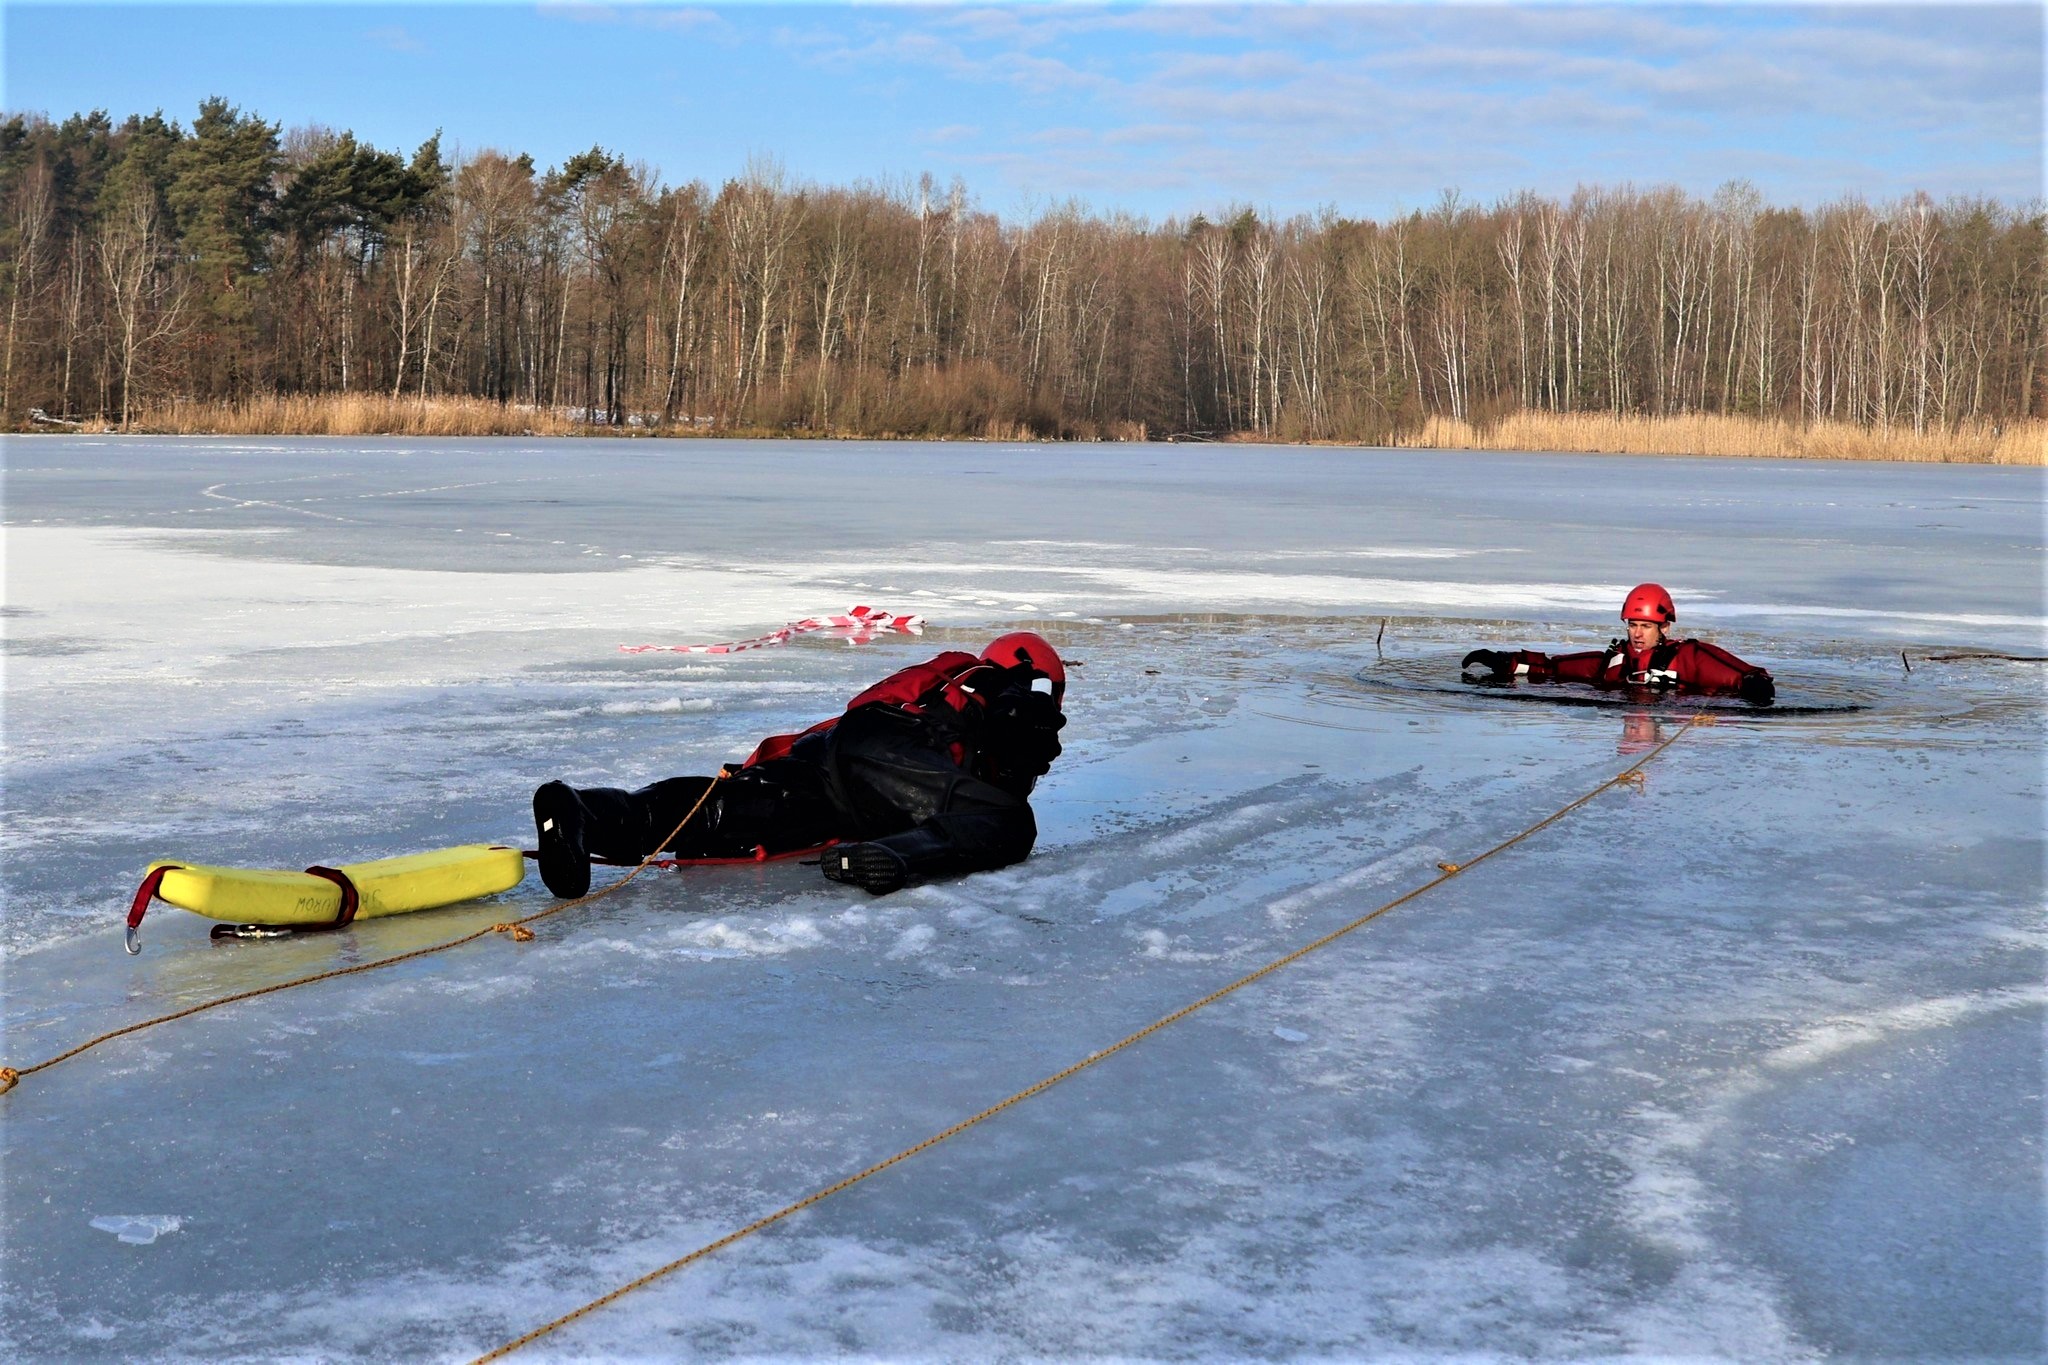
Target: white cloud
[
  {"x": 1171, "y": 106},
  {"x": 577, "y": 12},
  {"x": 1265, "y": 65},
  {"x": 661, "y": 18},
  {"x": 708, "y": 23},
  {"x": 1064, "y": 137},
  {"x": 1154, "y": 134},
  {"x": 394, "y": 38}
]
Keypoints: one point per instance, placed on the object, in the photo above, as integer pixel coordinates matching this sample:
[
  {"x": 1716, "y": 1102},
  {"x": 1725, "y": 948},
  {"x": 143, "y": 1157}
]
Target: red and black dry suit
[
  {"x": 1688, "y": 665},
  {"x": 934, "y": 763}
]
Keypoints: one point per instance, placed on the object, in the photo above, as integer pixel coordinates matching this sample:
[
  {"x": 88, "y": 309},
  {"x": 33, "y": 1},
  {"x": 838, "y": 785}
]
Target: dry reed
[
  {"x": 2016, "y": 443},
  {"x": 353, "y": 414},
  {"x": 379, "y": 415},
  {"x": 2021, "y": 443}
]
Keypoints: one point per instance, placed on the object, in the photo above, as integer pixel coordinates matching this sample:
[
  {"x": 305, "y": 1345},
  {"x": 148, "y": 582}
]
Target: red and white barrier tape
[{"x": 861, "y": 625}]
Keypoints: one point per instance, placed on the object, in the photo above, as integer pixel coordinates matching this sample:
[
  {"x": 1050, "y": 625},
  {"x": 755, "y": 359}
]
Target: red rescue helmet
[
  {"x": 1649, "y": 603},
  {"x": 1031, "y": 649}
]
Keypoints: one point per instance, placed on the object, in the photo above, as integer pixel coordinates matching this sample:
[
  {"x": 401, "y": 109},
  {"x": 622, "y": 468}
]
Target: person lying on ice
[
  {"x": 928, "y": 773},
  {"x": 1647, "y": 658}
]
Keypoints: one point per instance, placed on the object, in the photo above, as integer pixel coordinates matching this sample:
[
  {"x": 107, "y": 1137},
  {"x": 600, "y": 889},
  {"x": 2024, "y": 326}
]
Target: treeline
[{"x": 145, "y": 263}]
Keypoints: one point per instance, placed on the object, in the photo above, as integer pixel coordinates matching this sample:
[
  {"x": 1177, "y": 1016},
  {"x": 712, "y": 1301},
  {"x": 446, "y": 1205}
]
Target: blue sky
[{"x": 1159, "y": 110}]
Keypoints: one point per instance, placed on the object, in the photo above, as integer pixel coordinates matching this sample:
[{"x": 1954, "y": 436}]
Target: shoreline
[{"x": 2023, "y": 443}]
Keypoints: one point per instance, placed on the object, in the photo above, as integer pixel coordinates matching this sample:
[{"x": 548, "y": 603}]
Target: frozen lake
[{"x": 1745, "y": 1064}]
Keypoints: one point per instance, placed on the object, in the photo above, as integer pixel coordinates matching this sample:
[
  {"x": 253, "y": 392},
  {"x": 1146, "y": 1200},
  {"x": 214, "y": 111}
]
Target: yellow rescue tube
[{"x": 387, "y": 886}]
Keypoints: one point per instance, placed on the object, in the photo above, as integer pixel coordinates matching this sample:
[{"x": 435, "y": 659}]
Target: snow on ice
[{"x": 1744, "y": 1064}]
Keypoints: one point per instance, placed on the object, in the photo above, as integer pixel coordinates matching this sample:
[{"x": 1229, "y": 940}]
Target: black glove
[
  {"x": 875, "y": 868},
  {"x": 1757, "y": 688},
  {"x": 1492, "y": 660},
  {"x": 1022, "y": 731}
]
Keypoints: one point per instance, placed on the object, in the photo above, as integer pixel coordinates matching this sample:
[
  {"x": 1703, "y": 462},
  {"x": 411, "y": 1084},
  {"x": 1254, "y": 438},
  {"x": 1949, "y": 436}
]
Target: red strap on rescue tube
[
  {"x": 350, "y": 901},
  {"x": 131, "y": 938},
  {"x": 146, "y": 893}
]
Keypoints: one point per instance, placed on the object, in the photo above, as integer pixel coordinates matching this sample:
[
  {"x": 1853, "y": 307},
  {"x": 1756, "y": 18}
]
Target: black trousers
[{"x": 879, "y": 775}]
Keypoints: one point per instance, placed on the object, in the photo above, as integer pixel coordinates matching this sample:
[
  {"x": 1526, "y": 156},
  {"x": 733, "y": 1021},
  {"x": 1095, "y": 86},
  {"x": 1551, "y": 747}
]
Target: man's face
[{"x": 1644, "y": 635}]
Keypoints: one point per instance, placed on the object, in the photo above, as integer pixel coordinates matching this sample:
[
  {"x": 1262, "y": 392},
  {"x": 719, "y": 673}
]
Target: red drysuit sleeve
[
  {"x": 1710, "y": 668},
  {"x": 1540, "y": 667}
]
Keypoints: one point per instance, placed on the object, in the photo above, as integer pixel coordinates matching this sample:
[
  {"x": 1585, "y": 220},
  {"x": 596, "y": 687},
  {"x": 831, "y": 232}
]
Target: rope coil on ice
[{"x": 861, "y": 625}]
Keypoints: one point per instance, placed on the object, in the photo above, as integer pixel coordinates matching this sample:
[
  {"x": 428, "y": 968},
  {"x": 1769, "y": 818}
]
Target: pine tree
[{"x": 221, "y": 199}]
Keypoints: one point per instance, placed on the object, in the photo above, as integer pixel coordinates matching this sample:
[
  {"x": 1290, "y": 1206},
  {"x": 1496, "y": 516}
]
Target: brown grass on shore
[
  {"x": 2017, "y": 443},
  {"x": 378, "y": 415},
  {"x": 2024, "y": 442},
  {"x": 350, "y": 414}
]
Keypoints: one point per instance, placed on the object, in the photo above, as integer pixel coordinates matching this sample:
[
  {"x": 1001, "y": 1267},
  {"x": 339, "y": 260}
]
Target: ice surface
[
  {"x": 1743, "y": 1065},
  {"x": 138, "y": 1229}
]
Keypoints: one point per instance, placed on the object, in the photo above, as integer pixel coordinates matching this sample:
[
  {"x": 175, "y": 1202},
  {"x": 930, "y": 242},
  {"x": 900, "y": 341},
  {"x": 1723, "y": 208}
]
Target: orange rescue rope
[{"x": 1630, "y": 776}]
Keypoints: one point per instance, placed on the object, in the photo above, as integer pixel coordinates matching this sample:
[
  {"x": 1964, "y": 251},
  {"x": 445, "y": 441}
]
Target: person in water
[
  {"x": 927, "y": 773},
  {"x": 1648, "y": 657}
]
